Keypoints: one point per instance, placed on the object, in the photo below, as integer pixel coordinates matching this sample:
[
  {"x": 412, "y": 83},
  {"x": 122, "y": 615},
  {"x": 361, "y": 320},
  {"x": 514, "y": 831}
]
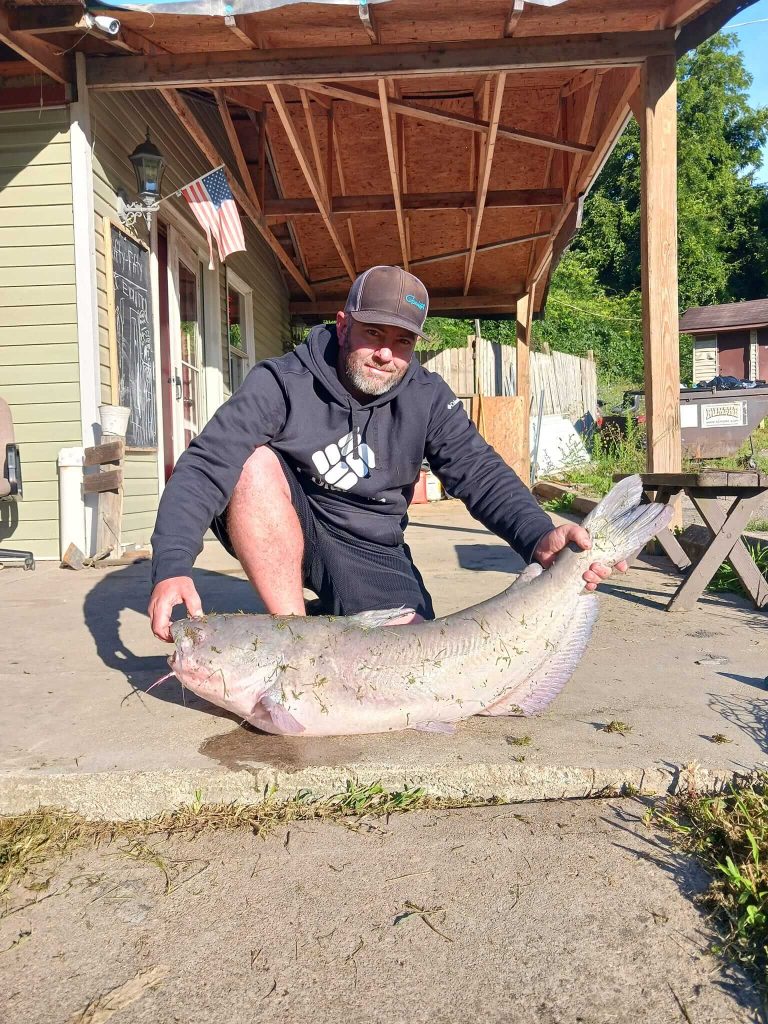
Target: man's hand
[
  {"x": 166, "y": 595},
  {"x": 553, "y": 542}
]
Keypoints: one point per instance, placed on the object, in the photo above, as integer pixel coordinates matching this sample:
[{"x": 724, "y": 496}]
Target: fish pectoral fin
[
  {"x": 446, "y": 728},
  {"x": 284, "y": 721},
  {"x": 380, "y": 617},
  {"x": 543, "y": 685}
]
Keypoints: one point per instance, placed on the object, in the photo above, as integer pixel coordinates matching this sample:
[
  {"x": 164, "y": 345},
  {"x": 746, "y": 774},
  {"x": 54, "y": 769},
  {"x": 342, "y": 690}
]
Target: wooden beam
[
  {"x": 274, "y": 170},
  {"x": 44, "y": 20},
  {"x": 584, "y": 132},
  {"x": 393, "y": 169},
  {"x": 497, "y": 302},
  {"x": 423, "y": 113},
  {"x": 424, "y": 261},
  {"x": 199, "y": 136},
  {"x": 524, "y": 317},
  {"x": 237, "y": 25},
  {"x": 658, "y": 206},
  {"x": 485, "y": 176},
  {"x": 343, "y": 189},
  {"x": 56, "y": 66},
  {"x": 237, "y": 149},
  {"x": 505, "y": 199},
  {"x": 314, "y": 186},
  {"x": 513, "y": 17},
  {"x": 319, "y": 165},
  {"x": 683, "y": 11},
  {"x": 476, "y": 56},
  {"x": 365, "y": 11}
]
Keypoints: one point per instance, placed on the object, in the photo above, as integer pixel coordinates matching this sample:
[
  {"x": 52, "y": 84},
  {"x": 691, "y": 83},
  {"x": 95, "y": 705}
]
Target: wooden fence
[{"x": 568, "y": 383}]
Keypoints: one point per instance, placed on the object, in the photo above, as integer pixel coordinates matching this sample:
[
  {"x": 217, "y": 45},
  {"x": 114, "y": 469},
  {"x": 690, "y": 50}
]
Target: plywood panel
[{"x": 501, "y": 422}]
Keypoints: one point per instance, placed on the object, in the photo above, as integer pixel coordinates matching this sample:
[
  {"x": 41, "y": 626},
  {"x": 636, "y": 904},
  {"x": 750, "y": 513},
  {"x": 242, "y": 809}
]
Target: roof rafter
[
  {"x": 513, "y": 17},
  {"x": 507, "y": 199},
  {"x": 56, "y": 66},
  {"x": 189, "y": 119},
  {"x": 319, "y": 166},
  {"x": 314, "y": 185},
  {"x": 237, "y": 149},
  {"x": 394, "y": 175},
  {"x": 423, "y": 113},
  {"x": 485, "y": 176}
]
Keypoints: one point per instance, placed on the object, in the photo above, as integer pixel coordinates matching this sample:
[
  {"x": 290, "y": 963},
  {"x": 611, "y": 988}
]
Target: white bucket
[
  {"x": 114, "y": 419},
  {"x": 434, "y": 488}
]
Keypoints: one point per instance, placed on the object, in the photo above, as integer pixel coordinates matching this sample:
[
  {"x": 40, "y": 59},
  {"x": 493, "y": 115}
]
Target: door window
[{"x": 191, "y": 355}]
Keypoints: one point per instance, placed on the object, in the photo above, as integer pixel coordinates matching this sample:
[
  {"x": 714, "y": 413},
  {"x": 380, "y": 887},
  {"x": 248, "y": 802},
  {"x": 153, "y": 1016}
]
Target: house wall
[
  {"x": 119, "y": 122},
  {"x": 39, "y": 371},
  {"x": 704, "y": 358}
]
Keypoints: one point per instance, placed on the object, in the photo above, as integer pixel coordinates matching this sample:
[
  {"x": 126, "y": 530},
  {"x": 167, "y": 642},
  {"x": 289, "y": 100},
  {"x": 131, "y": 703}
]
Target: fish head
[{"x": 202, "y": 660}]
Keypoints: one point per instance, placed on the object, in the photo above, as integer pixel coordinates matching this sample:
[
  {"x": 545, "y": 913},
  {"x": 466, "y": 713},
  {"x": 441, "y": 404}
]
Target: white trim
[
  {"x": 213, "y": 376},
  {"x": 154, "y": 289},
  {"x": 753, "y": 354},
  {"x": 85, "y": 277}
]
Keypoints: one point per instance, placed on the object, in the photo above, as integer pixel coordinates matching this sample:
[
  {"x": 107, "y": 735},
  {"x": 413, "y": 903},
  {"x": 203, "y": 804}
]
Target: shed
[{"x": 730, "y": 340}]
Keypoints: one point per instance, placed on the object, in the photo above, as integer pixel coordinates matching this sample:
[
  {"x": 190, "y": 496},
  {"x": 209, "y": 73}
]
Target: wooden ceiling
[{"x": 454, "y": 138}]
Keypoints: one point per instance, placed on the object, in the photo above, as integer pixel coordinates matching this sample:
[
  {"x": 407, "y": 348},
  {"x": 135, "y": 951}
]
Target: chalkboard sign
[{"x": 134, "y": 338}]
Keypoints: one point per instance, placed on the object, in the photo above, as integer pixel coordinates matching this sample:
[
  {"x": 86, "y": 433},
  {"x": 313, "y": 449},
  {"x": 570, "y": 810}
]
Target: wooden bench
[{"x": 726, "y": 523}]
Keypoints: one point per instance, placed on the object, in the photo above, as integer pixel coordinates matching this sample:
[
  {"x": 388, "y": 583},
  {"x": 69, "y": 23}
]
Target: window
[{"x": 237, "y": 325}]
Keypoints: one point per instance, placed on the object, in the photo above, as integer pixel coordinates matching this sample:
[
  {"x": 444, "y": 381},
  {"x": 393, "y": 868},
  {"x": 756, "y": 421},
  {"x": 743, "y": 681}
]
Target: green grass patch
[
  {"x": 758, "y": 525},
  {"x": 28, "y": 842},
  {"x": 725, "y": 580},
  {"x": 728, "y": 834},
  {"x": 611, "y": 451},
  {"x": 561, "y": 504}
]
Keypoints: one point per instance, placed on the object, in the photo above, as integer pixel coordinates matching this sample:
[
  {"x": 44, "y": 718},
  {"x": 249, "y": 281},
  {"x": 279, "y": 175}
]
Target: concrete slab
[
  {"x": 544, "y": 914},
  {"x": 80, "y": 730}
]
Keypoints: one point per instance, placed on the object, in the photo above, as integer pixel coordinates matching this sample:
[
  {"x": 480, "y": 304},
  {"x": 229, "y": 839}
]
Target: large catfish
[{"x": 329, "y": 676}]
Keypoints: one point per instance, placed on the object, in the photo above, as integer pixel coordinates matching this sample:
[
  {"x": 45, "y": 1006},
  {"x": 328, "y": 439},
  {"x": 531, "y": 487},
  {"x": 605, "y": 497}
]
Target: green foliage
[
  {"x": 611, "y": 452},
  {"x": 729, "y": 835},
  {"x": 727, "y": 581}
]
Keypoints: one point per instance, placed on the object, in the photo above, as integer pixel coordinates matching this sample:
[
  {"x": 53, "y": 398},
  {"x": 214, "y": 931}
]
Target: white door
[{"x": 186, "y": 320}]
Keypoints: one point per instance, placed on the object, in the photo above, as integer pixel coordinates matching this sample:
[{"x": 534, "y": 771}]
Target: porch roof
[{"x": 457, "y": 139}]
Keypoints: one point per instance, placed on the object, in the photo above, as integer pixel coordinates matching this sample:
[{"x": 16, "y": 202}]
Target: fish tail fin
[{"x": 621, "y": 525}]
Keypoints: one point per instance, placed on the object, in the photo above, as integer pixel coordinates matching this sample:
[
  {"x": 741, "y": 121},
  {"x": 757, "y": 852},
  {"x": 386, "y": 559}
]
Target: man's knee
[{"x": 262, "y": 480}]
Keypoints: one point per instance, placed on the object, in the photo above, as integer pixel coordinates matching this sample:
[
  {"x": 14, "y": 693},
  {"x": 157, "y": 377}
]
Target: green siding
[
  {"x": 39, "y": 374},
  {"x": 119, "y": 122}
]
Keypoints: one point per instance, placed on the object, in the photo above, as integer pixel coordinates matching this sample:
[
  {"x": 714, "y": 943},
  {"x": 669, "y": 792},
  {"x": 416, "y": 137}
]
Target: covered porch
[{"x": 456, "y": 141}]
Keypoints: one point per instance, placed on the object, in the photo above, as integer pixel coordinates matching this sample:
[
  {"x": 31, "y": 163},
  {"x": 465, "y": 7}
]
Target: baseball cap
[{"x": 389, "y": 295}]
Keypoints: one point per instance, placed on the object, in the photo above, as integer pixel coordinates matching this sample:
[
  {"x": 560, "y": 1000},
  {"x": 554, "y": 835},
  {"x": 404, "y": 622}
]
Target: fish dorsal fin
[{"x": 541, "y": 688}]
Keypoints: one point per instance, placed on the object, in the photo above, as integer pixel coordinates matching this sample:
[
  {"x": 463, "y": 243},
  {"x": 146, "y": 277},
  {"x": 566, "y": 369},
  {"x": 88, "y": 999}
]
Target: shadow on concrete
[
  {"x": 760, "y": 682},
  {"x": 451, "y": 529},
  {"x": 743, "y": 713},
  {"x": 692, "y": 881},
  {"x": 128, "y": 590},
  {"x": 488, "y": 558}
]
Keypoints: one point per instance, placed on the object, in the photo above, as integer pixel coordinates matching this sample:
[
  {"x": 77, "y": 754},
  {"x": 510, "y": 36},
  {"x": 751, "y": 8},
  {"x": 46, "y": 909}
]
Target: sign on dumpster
[{"x": 724, "y": 414}]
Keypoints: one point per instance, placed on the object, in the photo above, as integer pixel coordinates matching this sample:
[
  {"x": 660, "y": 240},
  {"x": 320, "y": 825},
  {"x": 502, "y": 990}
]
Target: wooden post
[
  {"x": 658, "y": 134},
  {"x": 523, "y": 377}
]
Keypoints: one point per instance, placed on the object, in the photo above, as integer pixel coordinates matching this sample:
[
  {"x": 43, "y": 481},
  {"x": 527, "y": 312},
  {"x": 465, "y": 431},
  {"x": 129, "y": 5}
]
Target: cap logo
[{"x": 415, "y": 302}]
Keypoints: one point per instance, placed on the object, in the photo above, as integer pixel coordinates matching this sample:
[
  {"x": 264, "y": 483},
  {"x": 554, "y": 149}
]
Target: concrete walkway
[{"x": 80, "y": 730}]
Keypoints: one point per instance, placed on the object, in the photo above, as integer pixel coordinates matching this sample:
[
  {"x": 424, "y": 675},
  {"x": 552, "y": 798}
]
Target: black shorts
[{"x": 349, "y": 575}]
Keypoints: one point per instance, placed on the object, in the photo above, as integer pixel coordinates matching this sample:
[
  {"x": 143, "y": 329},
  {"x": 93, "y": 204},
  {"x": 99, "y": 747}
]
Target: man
[{"x": 306, "y": 473}]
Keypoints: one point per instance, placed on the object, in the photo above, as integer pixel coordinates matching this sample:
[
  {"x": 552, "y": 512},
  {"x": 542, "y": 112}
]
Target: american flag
[{"x": 212, "y": 203}]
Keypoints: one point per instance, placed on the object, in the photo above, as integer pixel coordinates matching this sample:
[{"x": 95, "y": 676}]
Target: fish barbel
[{"x": 328, "y": 676}]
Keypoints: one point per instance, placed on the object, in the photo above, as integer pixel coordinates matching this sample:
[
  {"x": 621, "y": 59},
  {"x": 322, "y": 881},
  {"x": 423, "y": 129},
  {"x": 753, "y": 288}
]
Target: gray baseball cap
[{"x": 389, "y": 295}]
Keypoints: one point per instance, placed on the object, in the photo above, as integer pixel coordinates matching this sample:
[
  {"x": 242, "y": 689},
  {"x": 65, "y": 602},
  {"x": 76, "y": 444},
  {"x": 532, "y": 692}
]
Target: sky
[{"x": 753, "y": 39}]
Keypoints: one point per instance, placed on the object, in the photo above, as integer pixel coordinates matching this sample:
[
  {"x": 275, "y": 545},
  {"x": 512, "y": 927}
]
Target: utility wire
[{"x": 602, "y": 316}]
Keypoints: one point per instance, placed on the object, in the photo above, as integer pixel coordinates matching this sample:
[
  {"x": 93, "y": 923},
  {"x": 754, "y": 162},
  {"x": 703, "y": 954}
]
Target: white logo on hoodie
[{"x": 339, "y": 467}]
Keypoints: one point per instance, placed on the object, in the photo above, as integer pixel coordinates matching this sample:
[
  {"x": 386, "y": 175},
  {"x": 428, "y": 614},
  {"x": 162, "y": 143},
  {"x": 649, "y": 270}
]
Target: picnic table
[{"x": 726, "y": 522}]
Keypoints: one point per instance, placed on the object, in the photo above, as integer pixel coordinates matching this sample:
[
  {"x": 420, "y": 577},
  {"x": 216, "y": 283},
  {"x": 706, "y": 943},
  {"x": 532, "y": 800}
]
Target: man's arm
[
  {"x": 472, "y": 471},
  {"x": 202, "y": 484}
]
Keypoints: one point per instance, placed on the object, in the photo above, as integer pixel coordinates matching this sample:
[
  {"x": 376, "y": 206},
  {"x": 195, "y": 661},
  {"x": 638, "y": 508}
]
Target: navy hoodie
[{"x": 358, "y": 462}]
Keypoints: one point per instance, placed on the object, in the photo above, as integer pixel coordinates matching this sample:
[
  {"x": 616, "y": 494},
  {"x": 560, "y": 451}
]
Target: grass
[
  {"x": 30, "y": 841},
  {"x": 561, "y": 504},
  {"x": 725, "y": 579},
  {"x": 610, "y": 453},
  {"x": 758, "y": 525},
  {"x": 616, "y": 726},
  {"x": 728, "y": 834}
]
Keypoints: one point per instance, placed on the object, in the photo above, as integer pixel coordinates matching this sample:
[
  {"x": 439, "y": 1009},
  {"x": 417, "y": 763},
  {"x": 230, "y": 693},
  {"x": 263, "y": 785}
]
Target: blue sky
[{"x": 753, "y": 39}]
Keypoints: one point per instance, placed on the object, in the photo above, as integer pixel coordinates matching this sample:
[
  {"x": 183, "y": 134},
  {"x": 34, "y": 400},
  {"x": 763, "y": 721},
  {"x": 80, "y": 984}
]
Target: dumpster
[{"x": 714, "y": 424}]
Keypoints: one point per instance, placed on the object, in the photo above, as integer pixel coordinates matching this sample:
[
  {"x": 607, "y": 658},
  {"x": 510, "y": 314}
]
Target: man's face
[{"x": 372, "y": 357}]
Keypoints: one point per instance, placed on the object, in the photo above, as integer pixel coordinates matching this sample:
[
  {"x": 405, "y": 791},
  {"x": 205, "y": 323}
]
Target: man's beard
[{"x": 367, "y": 383}]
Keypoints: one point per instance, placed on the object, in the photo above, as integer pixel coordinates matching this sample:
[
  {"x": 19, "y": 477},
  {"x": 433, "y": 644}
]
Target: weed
[
  {"x": 719, "y": 738},
  {"x": 616, "y": 726},
  {"x": 728, "y": 833},
  {"x": 28, "y": 841},
  {"x": 562, "y": 504},
  {"x": 519, "y": 741},
  {"x": 611, "y": 452},
  {"x": 758, "y": 525},
  {"x": 726, "y": 580}
]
